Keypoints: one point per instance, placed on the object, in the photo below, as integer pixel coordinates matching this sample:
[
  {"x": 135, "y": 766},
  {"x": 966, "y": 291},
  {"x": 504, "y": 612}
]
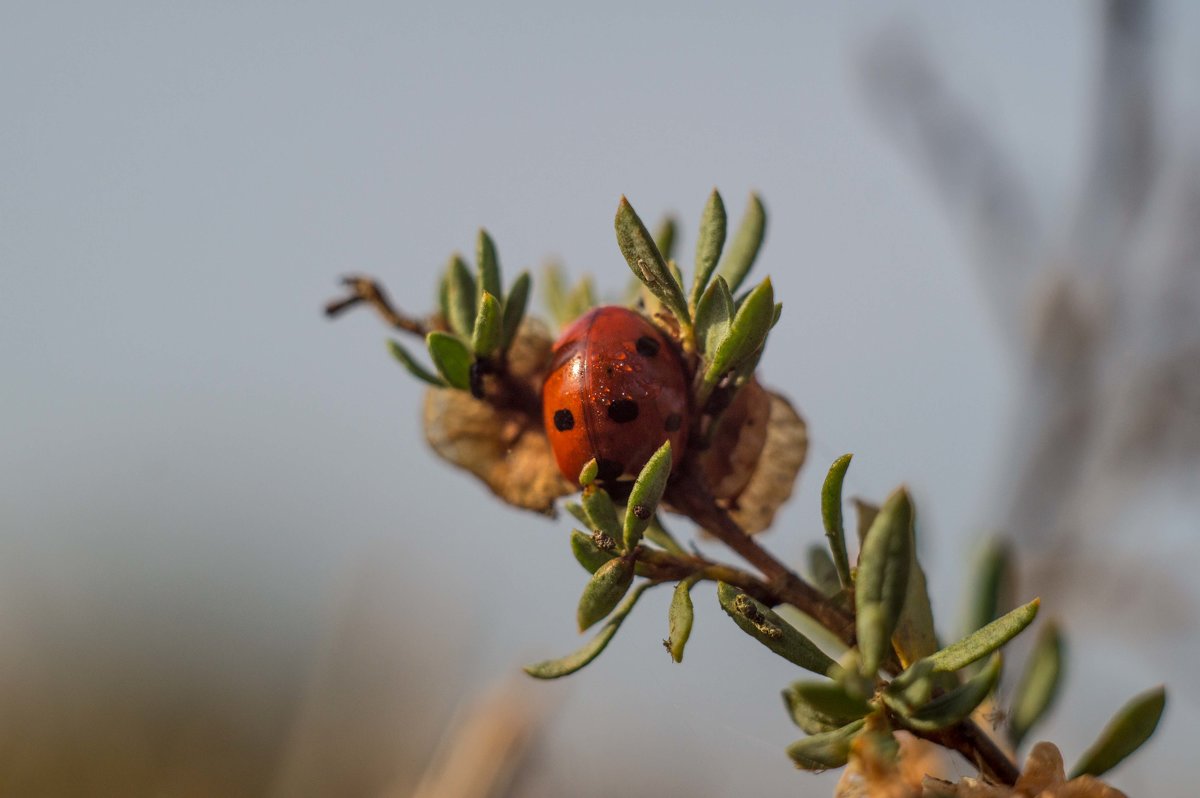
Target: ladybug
[{"x": 616, "y": 389}]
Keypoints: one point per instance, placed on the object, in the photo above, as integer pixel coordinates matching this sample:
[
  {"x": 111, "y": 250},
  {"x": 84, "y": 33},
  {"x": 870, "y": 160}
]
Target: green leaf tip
[
  {"x": 818, "y": 707},
  {"x": 514, "y": 308},
  {"x": 978, "y": 645},
  {"x": 1038, "y": 687},
  {"x": 993, "y": 585},
  {"x": 746, "y": 243},
  {"x": 489, "y": 326},
  {"x": 1125, "y": 733},
  {"x": 647, "y": 492},
  {"x": 679, "y": 619},
  {"x": 451, "y": 357},
  {"x": 647, "y": 263},
  {"x": 587, "y": 474},
  {"x": 747, "y": 333},
  {"x": 764, "y": 625},
  {"x": 826, "y": 750},
  {"x": 488, "y": 263},
  {"x": 709, "y": 244},
  {"x": 461, "y": 297},
  {"x": 565, "y": 666},
  {"x": 601, "y": 511},
  {"x": 882, "y": 583},
  {"x": 604, "y": 591},
  {"x": 831, "y": 516},
  {"x": 591, "y": 551},
  {"x": 414, "y": 368}
]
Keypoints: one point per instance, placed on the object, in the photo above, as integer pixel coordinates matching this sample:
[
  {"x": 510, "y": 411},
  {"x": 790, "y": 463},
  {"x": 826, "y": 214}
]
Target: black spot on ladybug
[
  {"x": 674, "y": 422},
  {"x": 563, "y": 420},
  {"x": 647, "y": 346},
  {"x": 641, "y": 511},
  {"x": 623, "y": 411},
  {"x": 608, "y": 470}
]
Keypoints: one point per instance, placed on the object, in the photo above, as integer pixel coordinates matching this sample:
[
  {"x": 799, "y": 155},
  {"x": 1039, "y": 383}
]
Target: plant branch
[{"x": 368, "y": 290}]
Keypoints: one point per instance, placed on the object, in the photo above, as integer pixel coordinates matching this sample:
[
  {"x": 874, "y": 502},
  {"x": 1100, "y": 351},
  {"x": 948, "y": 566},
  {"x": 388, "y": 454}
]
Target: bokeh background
[{"x": 229, "y": 565}]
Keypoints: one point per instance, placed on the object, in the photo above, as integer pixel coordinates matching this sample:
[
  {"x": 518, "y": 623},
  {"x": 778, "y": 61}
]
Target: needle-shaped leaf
[
  {"x": 818, "y": 707},
  {"x": 957, "y": 704},
  {"x": 665, "y": 236},
  {"x": 883, "y": 567},
  {"x": 514, "y": 308},
  {"x": 646, "y": 493},
  {"x": 866, "y": 512},
  {"x": 414, "y": 368},
  {"x": 488, "y": 264},
  {"x": 557, "y": 668},
  {"x": 489, "y": 326},
  {"x": 822, "y": 571},
  {"x": 915, "y": 636},
  {"x": 827, "y": 750},
  {"x": 764, "y": 625},
  {"x": 1039, "y": 683},
  {"x": 679, "y": 619},
  {"x": 1124, "y": 734},
  {"x": 993, "y": 585},
  {"x": 714, "y": 314},
  {"x": 979, "y": 644},
  {"x": 648, "y": 263},
  {"x": 709, "y": 244},
  {"x": 604, "y": 591},
  {"x": 601, "y": 511},
  {"x": 554, "y": 293},
  {"x": 831, "y": 515},
  {"x": 588, "y": 553},
  {"x": 461, "y": 296},
  {"x": 746, "y": 334},
  {"x": 746, "y": 243},
  {"x": 452, "y": 358}
]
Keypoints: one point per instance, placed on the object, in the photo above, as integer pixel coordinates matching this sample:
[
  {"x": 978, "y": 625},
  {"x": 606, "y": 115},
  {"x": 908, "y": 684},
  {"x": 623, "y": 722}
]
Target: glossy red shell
[{"x": 615, "y": 391}]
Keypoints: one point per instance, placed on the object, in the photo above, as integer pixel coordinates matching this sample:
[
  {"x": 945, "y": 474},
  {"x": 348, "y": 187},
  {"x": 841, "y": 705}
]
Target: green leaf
[
  {"x": 444, "y": 296},
  {"x": 764, "y": 625},
  {"x": 587, "y": 553},
  {"x": 489, "y": 326},
  {"x": 646, "y": 493},
  {"x": 647, "y": 262},
  {"x": 581, "y": 299},
  {"x": 554, "y": 293},
  {"x": 452, "y": 358},
  {"x": 589, "y": 472},
  {"x": 557, "y": 668},
  {"x": 514, "y": 308},
  {"x": 1124, "y": 734},
  {"x": 414, "y": 368},
  {"x": 714, "y": 314},
  {"x": 604, "y": 591},
  {"x": 665, "y": 236},
  {"x": 956, "y": 705},
  {"x": 777, "y": 314},
  {"x": 915, "y": 636},
  {"x": 831, "y": 514},
  {"x": 462, "y": 297},
  {"x": 489, "y": 266},
  {"x": 746, "y": 242},
  {"x": 601, "y": 512},
  {"x": 822, "y": 571},
  {"x": 866, "y": 512},
  {"x": 709, "y": 244},
  {"x": 746, "y": 334},
  {"x": 1039, "y": 683},
  {"x": 827, "y": 750},
  {"x": 818, "y": 707},
  {"x": 992, "y": 585},
  {"x": 576, "y": 509},
  {"x": 679, "y": 619},
  {"x": 883, "y": 566},
  {"x": 978, "y": 645}
]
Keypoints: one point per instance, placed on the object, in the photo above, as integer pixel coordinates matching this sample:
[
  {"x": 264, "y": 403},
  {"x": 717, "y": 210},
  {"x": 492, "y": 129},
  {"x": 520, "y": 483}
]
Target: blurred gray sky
[{"x": 194, "y": 460}]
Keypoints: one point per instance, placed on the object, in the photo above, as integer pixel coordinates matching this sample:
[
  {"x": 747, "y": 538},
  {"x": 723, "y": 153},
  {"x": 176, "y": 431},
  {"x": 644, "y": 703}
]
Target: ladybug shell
[{"x": 615, "y": 391}]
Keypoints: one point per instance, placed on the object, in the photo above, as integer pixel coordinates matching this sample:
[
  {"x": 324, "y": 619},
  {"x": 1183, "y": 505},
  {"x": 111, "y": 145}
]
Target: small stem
[{"x": 366, "y": 289}]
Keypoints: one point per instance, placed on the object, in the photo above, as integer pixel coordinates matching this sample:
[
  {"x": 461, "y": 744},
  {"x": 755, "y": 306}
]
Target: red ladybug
[{"x": 615, "y": 391}]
